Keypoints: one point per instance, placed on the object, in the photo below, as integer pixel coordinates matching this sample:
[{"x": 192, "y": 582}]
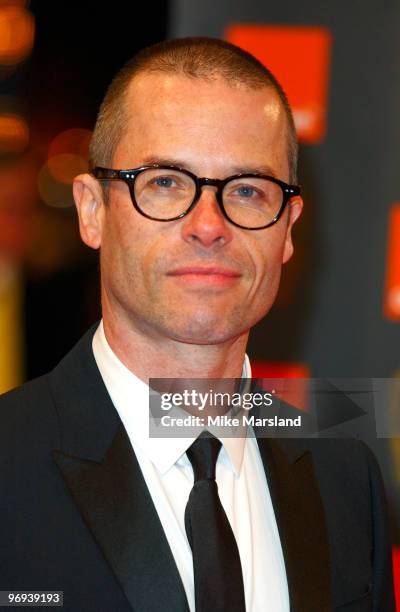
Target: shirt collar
[{"x": 130, "y": 396}]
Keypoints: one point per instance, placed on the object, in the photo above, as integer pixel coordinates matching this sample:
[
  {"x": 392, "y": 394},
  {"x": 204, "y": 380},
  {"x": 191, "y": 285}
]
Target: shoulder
[
  {"x": 351, "y": 486},
  {"x": 341, "y": 449},
  {"x": 34, "y": 401},
  {"x": 28, "y": 418},
  {"x": 356, "y": 513},
  {"x": 348, "y": 461},
  {"x": 31, "y": 395},
  {"x": 31, "y": 415}
]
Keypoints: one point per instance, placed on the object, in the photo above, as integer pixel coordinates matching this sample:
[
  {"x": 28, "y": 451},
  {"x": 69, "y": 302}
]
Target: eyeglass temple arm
[{"x": 106, "y": 173}]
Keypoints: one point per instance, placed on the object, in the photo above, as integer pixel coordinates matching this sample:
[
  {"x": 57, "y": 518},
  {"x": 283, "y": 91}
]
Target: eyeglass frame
[{"x": 130, "y": 176}]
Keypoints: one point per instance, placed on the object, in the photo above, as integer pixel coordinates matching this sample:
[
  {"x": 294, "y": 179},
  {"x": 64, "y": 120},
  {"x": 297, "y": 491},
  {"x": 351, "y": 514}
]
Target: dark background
[{"x": 78, "y": 49}]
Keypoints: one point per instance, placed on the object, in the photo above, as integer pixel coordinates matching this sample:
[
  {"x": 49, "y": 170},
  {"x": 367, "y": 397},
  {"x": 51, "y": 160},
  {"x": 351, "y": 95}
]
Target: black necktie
[{"x": 218, "y": 579}]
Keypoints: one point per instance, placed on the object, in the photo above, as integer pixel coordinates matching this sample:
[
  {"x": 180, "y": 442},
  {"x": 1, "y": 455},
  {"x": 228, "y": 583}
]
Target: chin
[{"x": 212, "y": 332}]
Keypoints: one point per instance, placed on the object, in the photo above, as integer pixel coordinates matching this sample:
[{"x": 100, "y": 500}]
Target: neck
[{"x": 163, "y": 357}]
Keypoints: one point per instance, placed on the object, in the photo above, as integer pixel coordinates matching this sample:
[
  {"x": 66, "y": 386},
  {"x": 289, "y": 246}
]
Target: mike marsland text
[{"x": 227, "y": 421}]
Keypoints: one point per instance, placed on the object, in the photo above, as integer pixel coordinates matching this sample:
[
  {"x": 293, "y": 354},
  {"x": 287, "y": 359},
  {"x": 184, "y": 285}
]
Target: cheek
[
  {"x": 267, "y": 250},
  {"x": 267, "y": 255},
  {"x": 133, "y": 252},
  {"x": 117, "y": 245}
]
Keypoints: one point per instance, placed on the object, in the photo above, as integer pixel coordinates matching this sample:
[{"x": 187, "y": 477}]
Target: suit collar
[
  {"x": 87, "y": 417},
  {"x": 130, "y": 396}
]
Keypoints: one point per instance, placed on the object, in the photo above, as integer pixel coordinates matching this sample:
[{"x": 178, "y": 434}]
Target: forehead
[{"x": 212, "y": 124}]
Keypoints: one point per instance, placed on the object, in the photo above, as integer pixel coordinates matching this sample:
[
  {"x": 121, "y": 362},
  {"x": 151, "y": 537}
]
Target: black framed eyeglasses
[{"x": 167, "y": 193}]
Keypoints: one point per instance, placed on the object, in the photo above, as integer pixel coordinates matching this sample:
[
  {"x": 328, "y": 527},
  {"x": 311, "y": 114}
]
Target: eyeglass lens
[{"x": 249, "y": 201}]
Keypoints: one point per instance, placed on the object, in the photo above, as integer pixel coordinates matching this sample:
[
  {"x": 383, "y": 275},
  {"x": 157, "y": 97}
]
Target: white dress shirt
[{"x": 242, "y": 487}]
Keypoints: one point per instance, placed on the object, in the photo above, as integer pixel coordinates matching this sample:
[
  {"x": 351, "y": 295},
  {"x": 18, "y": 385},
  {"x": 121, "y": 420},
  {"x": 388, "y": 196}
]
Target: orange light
[
  {"x": 299, "y": 57},
  {"x": 17, "y": 31},
  {"x": 17, "y": 200},
  {"x": 67, "y": 155},
  {"x": 14, "y": 134},
  {"x": 65, "y": 166},
  {"x": 75, "y": 140},
  {"x": 53, "y": 191}
]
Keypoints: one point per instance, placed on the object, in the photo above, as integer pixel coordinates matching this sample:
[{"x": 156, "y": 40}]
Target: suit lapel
[
  {"x": 301, "y": 522},
  {"x": 100, "y": 469}
]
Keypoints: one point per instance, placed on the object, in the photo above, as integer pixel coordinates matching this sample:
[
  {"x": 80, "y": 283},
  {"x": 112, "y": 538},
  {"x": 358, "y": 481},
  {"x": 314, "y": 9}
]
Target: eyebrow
[{"x": 250, "y": 169}]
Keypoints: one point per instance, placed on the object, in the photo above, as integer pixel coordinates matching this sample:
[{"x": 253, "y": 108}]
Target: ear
[
  {"x": 295, "y": 207},
  {"x": 90, "y": 206}
]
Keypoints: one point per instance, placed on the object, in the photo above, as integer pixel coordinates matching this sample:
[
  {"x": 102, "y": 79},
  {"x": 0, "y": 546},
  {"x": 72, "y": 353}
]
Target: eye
[
  {"x": 164, "y": 181},
  {"x": 246, "y": 191}
]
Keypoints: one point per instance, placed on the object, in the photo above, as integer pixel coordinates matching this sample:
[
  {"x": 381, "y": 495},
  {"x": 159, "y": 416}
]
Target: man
[{"x": 92, "y": 504}]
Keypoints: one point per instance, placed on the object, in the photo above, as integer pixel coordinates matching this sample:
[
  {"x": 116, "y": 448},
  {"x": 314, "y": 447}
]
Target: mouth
[{"x": 206, "y": 275}]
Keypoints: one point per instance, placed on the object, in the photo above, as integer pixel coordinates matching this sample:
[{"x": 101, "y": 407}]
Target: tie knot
[{"x": 203, "y": 454}]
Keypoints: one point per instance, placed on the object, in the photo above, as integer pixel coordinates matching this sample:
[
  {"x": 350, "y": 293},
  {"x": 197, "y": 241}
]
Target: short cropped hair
[{"x": 197, "y": 57}]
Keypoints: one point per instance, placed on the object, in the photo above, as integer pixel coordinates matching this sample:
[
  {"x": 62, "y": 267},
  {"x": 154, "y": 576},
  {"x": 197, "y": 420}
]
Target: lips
[
  {"x": 201, "y": 277},
  {"x": 205, "y": 271}
]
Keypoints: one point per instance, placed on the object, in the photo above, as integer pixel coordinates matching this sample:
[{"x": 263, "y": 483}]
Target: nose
[{"x": 206, "y": 224}]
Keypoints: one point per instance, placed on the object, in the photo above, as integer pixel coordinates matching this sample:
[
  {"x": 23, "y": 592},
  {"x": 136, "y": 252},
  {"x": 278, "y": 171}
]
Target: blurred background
[{"x": 338, "y": 309}]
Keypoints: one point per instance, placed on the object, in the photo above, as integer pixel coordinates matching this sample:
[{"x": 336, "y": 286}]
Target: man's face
[{"x": 214, "y": 130}]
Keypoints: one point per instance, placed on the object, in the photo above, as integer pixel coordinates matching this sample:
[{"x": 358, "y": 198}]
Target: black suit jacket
[{"x": 76, "y": 515}]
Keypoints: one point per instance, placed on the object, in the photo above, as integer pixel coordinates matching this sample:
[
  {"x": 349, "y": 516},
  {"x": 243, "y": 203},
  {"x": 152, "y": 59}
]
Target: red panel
[
  {"x": 267, "y": 369},
  {"x": 392, "y": 288},
  {"x": 282, "y": 369},
  {"x": 396, "y": 574}
]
